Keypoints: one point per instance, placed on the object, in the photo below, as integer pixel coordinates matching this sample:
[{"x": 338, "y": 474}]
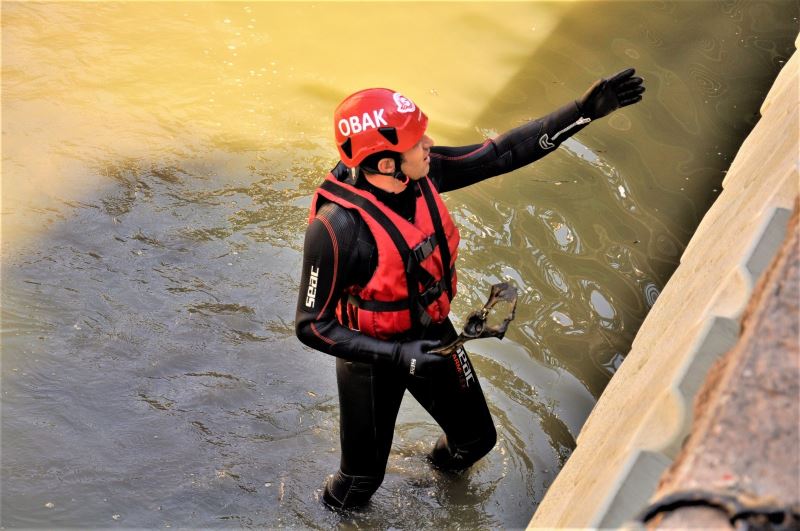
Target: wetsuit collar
[{"x": 402, "y": 203}]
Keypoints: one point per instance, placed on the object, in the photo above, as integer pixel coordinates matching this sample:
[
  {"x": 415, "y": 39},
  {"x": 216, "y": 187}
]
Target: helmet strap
[
  {"x": 402, "y": 177},
  {"x": 397, "y": 174}
]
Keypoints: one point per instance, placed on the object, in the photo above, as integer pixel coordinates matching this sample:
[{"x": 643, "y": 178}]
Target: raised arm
[{"x": 453, "y": 168}]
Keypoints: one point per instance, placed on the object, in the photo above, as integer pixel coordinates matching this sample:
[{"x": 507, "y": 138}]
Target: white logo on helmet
[
  {"x": 357, "y": 124},
  {"x": 404, "y": 104}
]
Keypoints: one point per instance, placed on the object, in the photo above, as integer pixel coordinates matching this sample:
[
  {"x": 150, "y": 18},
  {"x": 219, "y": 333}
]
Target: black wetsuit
[{"x": 340, "y": 247}]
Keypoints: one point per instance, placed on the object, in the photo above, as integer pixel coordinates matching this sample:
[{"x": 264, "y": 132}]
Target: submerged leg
[
  {"x": 369, "y": 399},
  {"x": 344, "y": 491},
  {"x": 455, "y": 400},
  {"x": 463, "y": 455}
]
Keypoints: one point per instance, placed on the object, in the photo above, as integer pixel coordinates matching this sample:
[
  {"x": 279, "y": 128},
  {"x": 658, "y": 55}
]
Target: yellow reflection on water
[{"x": 89, "y": 83}]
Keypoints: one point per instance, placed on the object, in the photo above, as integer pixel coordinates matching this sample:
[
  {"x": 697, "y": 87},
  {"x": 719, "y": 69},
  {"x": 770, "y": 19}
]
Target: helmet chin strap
[
  {"x": 402, "y": 177},
  {"x": 397, "y": 174}
]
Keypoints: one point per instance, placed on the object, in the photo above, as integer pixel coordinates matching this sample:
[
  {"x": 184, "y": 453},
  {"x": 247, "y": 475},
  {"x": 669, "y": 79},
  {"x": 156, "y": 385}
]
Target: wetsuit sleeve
[
  {"x": 456, "y": 167},
  {"x": 331, "y": 262}
]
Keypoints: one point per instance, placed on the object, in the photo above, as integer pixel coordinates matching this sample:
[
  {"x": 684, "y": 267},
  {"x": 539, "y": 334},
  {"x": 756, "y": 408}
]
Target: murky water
[{"x": 158, "y": 162}]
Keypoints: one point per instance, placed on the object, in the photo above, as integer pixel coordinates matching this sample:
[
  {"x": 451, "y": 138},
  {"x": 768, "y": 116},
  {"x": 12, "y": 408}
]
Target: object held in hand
[{"x": 490, "y": 321}]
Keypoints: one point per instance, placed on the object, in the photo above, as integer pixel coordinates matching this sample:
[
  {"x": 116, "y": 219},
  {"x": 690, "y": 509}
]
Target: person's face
[{"x": 417, "y": 160}]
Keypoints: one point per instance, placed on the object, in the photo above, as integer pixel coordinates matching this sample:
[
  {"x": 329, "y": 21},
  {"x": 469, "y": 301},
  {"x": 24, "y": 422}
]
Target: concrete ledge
[
  {"x": 644, "y": 416},
  {"x": 742, "y": 457}
]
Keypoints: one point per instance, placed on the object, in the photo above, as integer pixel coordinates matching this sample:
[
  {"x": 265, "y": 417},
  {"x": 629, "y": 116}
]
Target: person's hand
[
  {"x": 414, "y": 358},
  {"x": 609, "y": 94}
]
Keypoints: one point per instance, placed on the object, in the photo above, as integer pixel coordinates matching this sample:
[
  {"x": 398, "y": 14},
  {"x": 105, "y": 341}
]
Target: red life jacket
[{"x": 410, "y": 260}]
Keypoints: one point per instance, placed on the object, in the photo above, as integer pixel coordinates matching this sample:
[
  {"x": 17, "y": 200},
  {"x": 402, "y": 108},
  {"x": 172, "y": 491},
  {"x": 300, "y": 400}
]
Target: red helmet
[{"x": 374, "y": 120}]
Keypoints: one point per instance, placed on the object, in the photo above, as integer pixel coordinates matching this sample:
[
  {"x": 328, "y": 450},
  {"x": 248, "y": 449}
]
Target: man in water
[{"x": 379, "y": 273}]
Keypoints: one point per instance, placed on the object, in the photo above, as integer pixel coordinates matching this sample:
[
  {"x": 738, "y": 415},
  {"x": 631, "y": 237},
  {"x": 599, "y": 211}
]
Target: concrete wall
[
  {"x": 742, "y": 459},
  {"x": 640, "y": 422}
]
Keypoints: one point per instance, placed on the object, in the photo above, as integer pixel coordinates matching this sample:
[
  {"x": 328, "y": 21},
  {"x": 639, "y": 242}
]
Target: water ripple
[
  {"x": 710, "y": 83},
  {"x": 651, "y": 293}
]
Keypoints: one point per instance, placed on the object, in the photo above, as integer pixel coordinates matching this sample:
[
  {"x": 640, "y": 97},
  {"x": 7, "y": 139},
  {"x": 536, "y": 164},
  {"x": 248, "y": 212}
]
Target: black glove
[
  {"x": 609, "y": 94},
  {"x": 413, "y": 358}
]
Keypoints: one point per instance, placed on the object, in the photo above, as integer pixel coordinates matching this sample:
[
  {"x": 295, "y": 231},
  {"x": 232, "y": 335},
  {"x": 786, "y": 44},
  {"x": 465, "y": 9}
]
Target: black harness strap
[
  {"x": 438, "y": 229},
  {"x": 378, "y": 306},
  {"x": 425, "y": 299}
]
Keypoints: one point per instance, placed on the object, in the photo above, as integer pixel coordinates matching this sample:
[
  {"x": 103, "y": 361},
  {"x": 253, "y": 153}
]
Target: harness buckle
[
  {"x": 424, "y": 248},
  {"x": 424, "y": 317},
  {"x": 431, "y": 293}
]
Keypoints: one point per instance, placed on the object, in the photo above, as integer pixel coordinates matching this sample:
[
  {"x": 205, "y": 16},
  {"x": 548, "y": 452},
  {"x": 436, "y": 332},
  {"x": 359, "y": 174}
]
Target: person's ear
[{"x": 386, "y": 166}]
